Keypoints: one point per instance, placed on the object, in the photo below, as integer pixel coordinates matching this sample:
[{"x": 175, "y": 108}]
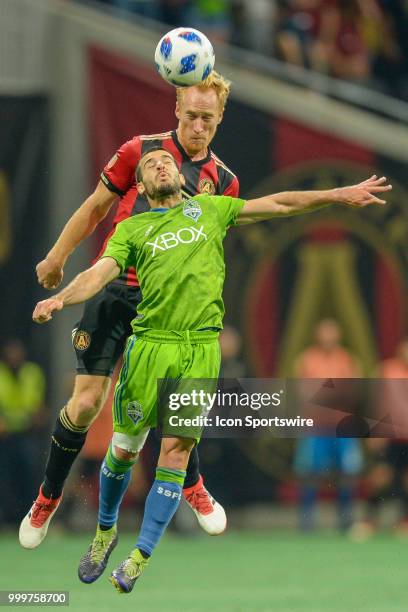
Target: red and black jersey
[{"x": 209, "y": 175}]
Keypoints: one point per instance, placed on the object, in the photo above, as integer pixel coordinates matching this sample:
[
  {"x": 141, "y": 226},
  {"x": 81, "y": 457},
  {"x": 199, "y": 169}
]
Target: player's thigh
[
  {"x": 205, "y": 361},
  {"x": 88, "y": 398},
  {"x": 135, "y": 399},
  {"x": 349, "y": 456},
  {"x": 312, "y": 456},
  {"x": 99, "y": 337}
]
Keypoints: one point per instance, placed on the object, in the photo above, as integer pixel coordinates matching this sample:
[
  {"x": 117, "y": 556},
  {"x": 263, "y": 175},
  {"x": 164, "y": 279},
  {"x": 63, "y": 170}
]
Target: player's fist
[
  {"x": 49, "y": 273},
  {"x": 364, "y": 193},
  {"x": 43, "y": 311}
]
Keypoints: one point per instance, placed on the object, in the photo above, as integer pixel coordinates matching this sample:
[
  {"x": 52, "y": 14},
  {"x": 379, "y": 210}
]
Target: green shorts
[{"x": 160, "y": 365}]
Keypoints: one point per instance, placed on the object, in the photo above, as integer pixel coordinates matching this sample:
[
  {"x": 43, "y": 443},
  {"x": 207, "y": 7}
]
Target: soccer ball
[{"x": 184, "y": 57}]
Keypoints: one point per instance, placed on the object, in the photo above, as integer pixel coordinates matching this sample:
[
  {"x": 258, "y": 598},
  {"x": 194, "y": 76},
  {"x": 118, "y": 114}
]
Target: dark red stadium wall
[
  {"x": 24, "y": 216},
  {"x": 269, "y": 154}
]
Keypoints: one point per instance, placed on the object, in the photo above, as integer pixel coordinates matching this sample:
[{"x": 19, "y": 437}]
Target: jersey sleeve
[
  {"x": 119, "y": 247},
  {"x": 228, "y": 208},
  {"x": 119, "y": 173},
  {"x": 233, "y": 188}
]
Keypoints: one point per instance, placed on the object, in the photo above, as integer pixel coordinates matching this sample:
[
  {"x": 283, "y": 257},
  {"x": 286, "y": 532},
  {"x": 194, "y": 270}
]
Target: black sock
[
  {"x": 66, "y": 443},
  {"x": 193, "y": 470}
]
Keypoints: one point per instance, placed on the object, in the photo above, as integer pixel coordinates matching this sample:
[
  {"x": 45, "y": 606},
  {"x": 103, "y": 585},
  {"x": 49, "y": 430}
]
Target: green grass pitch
[{"x": 237, "y": 572}]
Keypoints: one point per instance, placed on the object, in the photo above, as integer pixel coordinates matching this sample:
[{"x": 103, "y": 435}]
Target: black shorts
[{"x": 99, "y": 337}]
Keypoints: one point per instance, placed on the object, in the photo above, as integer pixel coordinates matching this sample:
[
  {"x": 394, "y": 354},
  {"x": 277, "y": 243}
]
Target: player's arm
[
  {"x": 84, "y": 286},
  {"x": 297, "y": 202},
  {"x": 80, "y": 226}
]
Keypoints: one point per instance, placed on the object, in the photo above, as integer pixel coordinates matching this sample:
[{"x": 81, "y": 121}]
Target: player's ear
[
  {"x": 177, "y": 111},
  {"x": 182, "y": 179},
  {"x": 141, "y": 188},
  {"x": 220, "y": 116}
]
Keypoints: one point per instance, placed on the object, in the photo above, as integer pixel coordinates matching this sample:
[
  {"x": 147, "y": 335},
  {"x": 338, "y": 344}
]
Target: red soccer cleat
[
  {"x": 210, "y": 514},
  {"x": 34, "y": 525}
]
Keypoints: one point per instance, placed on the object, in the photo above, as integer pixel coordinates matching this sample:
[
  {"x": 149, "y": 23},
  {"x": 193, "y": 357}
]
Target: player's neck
[
  {"x": 193, "y": 155},
  {"x": 166, "y": 202}
]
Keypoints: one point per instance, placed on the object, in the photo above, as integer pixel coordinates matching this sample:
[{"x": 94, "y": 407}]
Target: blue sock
[
  {"x": 161, "y": 504},
  {"x": 114, "y": 479},
  {"x": 308, "y": 499}
]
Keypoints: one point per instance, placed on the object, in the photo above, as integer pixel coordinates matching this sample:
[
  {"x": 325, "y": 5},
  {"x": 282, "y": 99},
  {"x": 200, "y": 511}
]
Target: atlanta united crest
[
  {"x": 134, "y": 411},
  {"x": 192, "y": 209},
  {"x": 206, "y": 185},
  {"x": 80, "y": 339}
]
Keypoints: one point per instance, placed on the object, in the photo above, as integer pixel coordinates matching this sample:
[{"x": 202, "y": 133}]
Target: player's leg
[
  {"x": 349, "y": 462},
  {"x": 95, "y": 341},
  {"x": 115, "y": 477},
  {"x": 312, "y": 461},
  {"x": 209, "y": 512},
  {"x": 161, "y": 504},
  {"x": 67, "y": 441},
  {"x": 131, "y": 426}
]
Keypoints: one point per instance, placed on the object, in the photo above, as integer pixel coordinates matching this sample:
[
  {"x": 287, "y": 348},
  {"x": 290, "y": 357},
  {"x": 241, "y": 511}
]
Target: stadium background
[{"x": 75, "y": 83}]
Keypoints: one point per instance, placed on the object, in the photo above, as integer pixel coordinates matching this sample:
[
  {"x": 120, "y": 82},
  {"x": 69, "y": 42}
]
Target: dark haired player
[
  {"x": 176, "y": 247},
  {"x": 99, "y": 337}
]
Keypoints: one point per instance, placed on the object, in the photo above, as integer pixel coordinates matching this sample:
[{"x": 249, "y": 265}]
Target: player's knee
[
  {"x": 85, "y": 406},
  {"x": 124, "y": 455}
]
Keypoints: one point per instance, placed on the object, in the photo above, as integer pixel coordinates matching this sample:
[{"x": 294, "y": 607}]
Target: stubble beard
[{"x": 163, "y": 191}]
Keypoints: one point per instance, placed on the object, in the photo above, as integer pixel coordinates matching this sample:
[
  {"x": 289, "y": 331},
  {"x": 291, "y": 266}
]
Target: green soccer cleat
[
  {"x": 93, "y": 563},
  {"x": 125, "y": 575}
]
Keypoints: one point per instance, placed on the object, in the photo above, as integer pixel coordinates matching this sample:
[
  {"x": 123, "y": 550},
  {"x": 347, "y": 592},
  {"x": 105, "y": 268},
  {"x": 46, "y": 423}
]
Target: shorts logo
[
  {"x": 80, "y": 339},
  {"x": 134, "y": 411},
  {"x": 192, "y": 209},
  {"x": 206, "y": 185}
]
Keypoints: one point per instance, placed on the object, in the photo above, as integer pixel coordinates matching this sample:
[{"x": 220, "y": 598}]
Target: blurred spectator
[
  {"x": 232, "y": 365},
  {"x": 252, "y": 24},
  {"x": 22, "y": 395},
  {"x": 212, "y": 17},
  {"x": 175, "y": 12},
  {"x": 318, "y": 458},
  {"x": 297, "y": 34},
  {"x": 387, "y": 475}
]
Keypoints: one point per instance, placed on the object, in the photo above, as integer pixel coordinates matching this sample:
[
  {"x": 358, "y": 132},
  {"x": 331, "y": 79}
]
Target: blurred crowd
[{"x": 364, "y": 41}]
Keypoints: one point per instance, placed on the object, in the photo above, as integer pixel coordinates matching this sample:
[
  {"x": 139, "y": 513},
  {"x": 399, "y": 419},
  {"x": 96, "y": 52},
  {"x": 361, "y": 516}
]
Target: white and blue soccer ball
[{"x": 184, "y": 57}]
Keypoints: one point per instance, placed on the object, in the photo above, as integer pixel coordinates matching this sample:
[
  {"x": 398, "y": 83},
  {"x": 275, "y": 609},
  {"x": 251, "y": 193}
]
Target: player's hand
[
  {"x": 364, "y": 193},
  {"x": 43, "y": 311},
  {"x": 49, "y": 274}
]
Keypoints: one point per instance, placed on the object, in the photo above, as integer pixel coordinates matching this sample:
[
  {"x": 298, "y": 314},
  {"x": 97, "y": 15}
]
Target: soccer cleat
[
  {"x": 34, "y": 526},
  {"x": 125, "y": 575},
  {"x": 94, "y": 561},
  {"x": 210, "y": 514}
]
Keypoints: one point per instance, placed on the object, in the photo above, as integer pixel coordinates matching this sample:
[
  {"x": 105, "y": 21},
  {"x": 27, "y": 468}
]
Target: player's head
[
  {"x": 199, "y": 110},
  {"x": 157, "y": 174},
  {"x": 328, "y": 334}
]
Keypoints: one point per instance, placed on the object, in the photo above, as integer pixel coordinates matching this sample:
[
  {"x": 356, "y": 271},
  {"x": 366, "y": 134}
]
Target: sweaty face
[
  {"x": 160, "y": 175},
  {"x": 199, "y": 115}
]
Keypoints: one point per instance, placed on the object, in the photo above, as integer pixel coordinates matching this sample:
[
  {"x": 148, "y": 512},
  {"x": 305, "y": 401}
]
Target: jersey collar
[{"x": 201, "y": 162}]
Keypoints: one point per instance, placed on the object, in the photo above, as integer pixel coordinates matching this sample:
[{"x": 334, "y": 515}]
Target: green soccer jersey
[{"x": 179, "y": 258}]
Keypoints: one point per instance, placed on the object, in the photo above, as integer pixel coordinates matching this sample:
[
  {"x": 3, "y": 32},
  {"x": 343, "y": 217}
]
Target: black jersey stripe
[{"x": 111, "y": 186}]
